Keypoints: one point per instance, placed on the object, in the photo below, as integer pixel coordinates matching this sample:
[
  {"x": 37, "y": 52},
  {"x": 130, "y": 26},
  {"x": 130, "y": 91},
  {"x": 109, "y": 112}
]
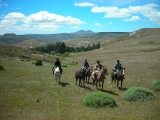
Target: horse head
[
  {"x": 122, "y": 72},
  {"x": 105, "y": 70}
]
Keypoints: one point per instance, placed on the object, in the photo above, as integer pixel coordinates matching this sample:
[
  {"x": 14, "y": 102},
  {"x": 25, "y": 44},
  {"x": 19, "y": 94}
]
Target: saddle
[{"x": 115, "y": 71}]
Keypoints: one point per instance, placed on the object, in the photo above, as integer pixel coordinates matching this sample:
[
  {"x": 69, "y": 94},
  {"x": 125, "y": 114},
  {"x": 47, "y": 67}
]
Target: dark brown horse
[
  {"x": 88, "y": 73},
  {"x": 100, "y": 77},
  {"x": 80, "y": 75},
  {"x": 118, "y": 76}
]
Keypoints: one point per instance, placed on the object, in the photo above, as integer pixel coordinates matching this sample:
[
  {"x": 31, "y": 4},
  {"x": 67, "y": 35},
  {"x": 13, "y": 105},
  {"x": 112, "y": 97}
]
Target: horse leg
[
  {"x": 79, "y": 81},
  {"x": 93, "y": 81},
  {"x": 111, "y": 82},
  {"x": 96, "y": 84},
  {"x": 83, "y": 81},
  {"x": 88, "y": 79},
  {"x": 121, "y": 83},
  {"x": 117, "y": 84},
  {"x": 102, "y": 85},
  {"x": 59, "y": 79}
]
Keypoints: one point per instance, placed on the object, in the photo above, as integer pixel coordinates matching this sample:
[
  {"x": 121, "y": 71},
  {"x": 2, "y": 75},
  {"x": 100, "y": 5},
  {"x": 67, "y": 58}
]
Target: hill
[
  {"x": 143, "y": 36},
  {"x": 11, "y": 38},
  {"x": 50, "y": 38},
  {"x": 31, "y": 43},
  {"x": 30, "y": 92}
]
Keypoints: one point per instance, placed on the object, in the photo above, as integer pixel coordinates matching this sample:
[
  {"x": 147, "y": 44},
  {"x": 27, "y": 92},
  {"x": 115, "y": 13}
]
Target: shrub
[
  {"x": 99, "y": 100},
  {"x": 52, "y": 52},
  {"x": 38, "y": 63},
  {"x": 66, "y": 54},
  {"x": 156, "y": 85},
  {"x": 64, "y": 65},
  {"x": 1, "y": 67},
  {"x": 138, "y": 93},
  {"x": 71, "y": 63}
]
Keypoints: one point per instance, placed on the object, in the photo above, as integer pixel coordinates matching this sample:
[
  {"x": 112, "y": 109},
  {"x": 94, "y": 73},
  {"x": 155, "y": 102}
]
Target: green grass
[
  {"x": 30, "y": 92},
  {"x": 22, "y": 83},
  {"x": 99, "y": 100}
]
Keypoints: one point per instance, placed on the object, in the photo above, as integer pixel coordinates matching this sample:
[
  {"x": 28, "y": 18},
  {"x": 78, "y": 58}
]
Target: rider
[
  {"x": 57, "y": 64},
  {"x": 86, "y": 64},
  {"x": 98, "y": 67},
  {"x": 117, "y": 67}
]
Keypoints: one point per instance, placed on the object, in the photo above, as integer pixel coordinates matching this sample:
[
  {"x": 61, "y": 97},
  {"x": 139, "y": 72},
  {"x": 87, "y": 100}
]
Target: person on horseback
[
  {"x": 117, "y": 67},
  {"x": 98, "y": 67},
  {"x": 86, "y": 64},
  {"x": 57, "y": 64}
]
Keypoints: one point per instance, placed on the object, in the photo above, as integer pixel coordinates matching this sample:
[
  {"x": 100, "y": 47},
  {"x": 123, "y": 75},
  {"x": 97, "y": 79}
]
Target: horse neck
[
  {"x": 102, "y": 70},
  {"x": 121, "y": 72}
]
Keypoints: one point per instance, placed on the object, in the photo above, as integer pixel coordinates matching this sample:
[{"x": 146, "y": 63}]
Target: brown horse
[
  {"x": 100, "y": 77},
  {"x": 118, "y": 76}
]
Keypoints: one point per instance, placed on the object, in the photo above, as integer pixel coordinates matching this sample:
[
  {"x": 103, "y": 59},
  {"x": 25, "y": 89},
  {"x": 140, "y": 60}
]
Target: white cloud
[
  {"x": 122, "y": 2},
  {"x": 111, "y": 11},
  {"x": 97, "y": 24},
  {"x": 42, "y": 20},
  {"x": 84, "y": 4},
  {"x": 133, "y": 18},
  {"x": 110, "y": 23},
  {"x": 149, "y": 11}
]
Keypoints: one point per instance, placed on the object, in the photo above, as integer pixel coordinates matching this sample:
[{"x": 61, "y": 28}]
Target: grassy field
[{"x": 29, "y": 92}]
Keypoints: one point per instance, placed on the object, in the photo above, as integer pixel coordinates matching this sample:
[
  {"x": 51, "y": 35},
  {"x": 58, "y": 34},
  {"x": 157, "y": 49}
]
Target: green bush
[
  {"x": 64, "y": 65},
  {"x": 52, "y": 52},
  {"x": 156, "y": 85},
  {"x": 71, "y": 63},
  {"x": 138, "y": 94},
  {"x": 1, "y": 67},
  {"x": 38, "y": 63},
  {"x": 99, "y": 100},
  {"x": 66, "y": 54}
]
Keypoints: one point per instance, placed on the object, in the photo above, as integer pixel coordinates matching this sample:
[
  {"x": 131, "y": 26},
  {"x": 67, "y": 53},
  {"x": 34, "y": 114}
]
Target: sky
[{"x": 66, "y": 16}]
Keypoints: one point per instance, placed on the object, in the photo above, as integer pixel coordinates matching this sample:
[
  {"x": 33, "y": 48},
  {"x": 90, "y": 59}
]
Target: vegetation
[
  {"x": 60, "y": 47},
  {"x": 38, "y": 63},
  {"x": 156, "y": 85},
  {"x": 1, "y": 67},
  {"x": 22, "y": 83},
  {"x": 99, "y": 99},
  {"x": 138, "y": 93}
]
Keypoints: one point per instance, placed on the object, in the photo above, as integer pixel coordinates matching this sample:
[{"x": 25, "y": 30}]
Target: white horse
[{"x": 57, "y": 74}]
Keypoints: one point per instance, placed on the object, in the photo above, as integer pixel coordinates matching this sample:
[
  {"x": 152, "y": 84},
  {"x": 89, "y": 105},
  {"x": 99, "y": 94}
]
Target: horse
[
  {"x": 80, "y": 74},
  {"x": 88, "y": 72},
  {"x": 100, "y": 77},
  {"x": 118, "y": 76},
  {"x": 57, "y": 74}
]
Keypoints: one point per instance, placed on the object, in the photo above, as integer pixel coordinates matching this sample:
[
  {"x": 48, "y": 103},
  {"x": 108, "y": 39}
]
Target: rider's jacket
[
  {"x": 117, "y": 66},
  {"x": 98, "y": 66},
  {"x": 86, "y": 65}
]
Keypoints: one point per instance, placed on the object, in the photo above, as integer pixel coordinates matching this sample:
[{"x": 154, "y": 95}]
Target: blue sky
[{"x": 66, "y": 16}]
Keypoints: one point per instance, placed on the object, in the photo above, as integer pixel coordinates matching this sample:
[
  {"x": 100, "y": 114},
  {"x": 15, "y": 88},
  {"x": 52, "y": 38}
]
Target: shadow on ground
[{"x": 64, "y": 84}]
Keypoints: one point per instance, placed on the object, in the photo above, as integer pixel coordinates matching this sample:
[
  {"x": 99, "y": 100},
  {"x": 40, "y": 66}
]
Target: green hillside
[{"x": 30, "y": 92}]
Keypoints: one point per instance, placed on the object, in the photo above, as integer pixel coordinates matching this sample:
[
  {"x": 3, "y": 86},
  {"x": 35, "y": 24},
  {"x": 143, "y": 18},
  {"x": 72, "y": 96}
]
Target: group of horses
[{"x": 84, "y": 74}]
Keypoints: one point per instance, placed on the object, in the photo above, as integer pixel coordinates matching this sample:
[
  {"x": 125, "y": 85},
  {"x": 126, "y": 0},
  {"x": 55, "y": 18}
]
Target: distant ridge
[{"x": 84, "y": 32}]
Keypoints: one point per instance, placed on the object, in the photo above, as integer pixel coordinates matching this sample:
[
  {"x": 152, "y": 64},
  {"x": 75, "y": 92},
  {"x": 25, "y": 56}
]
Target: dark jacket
[
  {"x": 86, "y": 65},
  {"x": 117, "y": 66},
  {"x": 57, "y": 63}
]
